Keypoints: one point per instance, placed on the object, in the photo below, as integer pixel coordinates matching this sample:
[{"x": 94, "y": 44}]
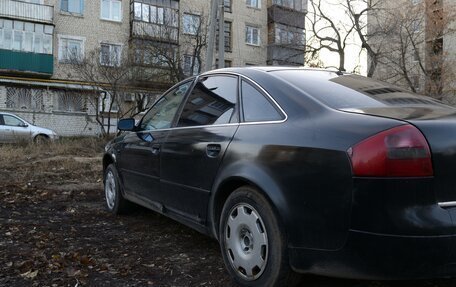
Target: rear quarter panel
[{"x": 303, "y": 168}]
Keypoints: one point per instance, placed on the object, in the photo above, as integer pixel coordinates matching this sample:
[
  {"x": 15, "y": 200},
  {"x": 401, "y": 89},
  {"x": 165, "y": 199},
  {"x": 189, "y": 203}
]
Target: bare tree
[
  {"x": 163, "y": 51},
  {"x": 413, "y": 45},
  {"x": 327, "y": 33},
  {"x": 109, "y": 72},
  {"x": 360, "y": 12}
]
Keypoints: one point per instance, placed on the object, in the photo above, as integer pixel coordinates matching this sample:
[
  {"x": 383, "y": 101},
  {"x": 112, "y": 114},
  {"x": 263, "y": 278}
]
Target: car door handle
[
  {"x": 155, "y": 149},
  {"x": 213, "y": 150}
]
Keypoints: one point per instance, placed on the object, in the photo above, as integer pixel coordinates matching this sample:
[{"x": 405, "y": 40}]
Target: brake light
[{"x": 398, "y": 152}]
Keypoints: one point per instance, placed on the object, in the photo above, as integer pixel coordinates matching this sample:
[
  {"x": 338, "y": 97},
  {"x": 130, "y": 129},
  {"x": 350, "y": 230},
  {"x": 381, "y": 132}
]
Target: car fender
[{"x": 245, "y": 173}]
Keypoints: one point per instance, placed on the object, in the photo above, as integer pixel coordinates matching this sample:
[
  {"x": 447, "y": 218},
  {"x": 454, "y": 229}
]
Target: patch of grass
[{"x": 11, "y": 154}]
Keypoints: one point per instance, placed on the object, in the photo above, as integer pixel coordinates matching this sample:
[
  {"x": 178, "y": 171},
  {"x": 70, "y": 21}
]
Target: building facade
[
  {"x": 415, "y": 41},
  {"x": 63, "y": 62}
]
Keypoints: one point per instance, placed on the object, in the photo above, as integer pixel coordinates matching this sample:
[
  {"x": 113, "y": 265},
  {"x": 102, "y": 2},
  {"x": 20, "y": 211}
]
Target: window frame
[
  {"x": 196, "y": 65},
  {"x": 81, "y": 7},
  {"x": 236, "y": 112},
  {"x": 61, "y": 58},
  {"x": 14, "y": 117},
  {"x": 193, "y": 30},
  {"x": 111, "y": 46},
  {"x": 250, "y": 28},
  {"x": 173, "y": 123},
  {"x": 110, "y": 18},
  {"x": 267, "y": 96},
  {"x": 257, "y": 5}
]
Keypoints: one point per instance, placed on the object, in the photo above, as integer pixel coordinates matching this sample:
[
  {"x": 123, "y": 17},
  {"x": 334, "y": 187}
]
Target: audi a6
[{"x": 295, "y": 170}]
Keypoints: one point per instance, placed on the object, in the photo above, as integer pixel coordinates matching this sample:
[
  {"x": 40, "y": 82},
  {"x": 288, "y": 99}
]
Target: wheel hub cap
[
  {"x": 110, "y": 190},
  {"x": 246, "y": 242}
]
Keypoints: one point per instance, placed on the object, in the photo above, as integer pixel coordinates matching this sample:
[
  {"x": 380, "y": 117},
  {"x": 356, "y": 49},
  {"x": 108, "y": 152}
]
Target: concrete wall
[{"x": 63, "y": 123}]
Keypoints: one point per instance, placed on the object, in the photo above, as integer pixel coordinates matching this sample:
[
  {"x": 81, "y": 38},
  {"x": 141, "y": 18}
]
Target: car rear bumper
[{"x": 379, "y": 256}]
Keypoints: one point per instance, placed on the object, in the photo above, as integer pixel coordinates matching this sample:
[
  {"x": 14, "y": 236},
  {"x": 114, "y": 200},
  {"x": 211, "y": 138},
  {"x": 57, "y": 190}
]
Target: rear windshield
[{"x": 351, "y": 91}]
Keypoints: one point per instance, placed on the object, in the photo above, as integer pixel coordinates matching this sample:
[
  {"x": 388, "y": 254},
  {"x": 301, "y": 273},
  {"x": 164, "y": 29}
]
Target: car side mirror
[
  {"x": 126, "y": 124},
  {"x": 24, "y": 125}
]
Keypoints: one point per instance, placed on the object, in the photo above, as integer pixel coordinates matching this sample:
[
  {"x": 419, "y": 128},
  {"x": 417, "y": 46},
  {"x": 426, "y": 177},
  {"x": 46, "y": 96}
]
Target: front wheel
[
  {"x": 253, "y": 241},
  {"x": 115, "y": 202}
]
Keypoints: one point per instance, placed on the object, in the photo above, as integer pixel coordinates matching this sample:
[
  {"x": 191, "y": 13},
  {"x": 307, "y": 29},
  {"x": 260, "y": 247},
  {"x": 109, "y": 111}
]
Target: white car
[{"x": 15, "y": 129}]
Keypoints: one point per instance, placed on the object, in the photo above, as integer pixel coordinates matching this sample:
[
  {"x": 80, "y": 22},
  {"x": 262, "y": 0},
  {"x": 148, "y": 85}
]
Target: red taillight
[{"x": 398, "y": 152}]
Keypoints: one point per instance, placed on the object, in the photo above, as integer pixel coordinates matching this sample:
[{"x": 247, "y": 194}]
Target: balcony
[
  {"x": 286, "y": 16},
  {"x": 285, "y": 55},
  {"x": 27, "y": 11},
  {"x": 15, "y": 62},
  {"x": 151, "y": 31}
]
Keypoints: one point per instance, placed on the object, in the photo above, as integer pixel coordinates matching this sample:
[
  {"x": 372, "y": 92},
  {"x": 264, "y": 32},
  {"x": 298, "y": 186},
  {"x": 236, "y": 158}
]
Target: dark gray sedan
[{"x": 297, "y": 170}]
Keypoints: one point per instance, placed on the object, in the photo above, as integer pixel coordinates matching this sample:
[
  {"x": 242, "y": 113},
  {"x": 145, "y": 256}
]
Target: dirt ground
[{"x": 55, "y": 231}]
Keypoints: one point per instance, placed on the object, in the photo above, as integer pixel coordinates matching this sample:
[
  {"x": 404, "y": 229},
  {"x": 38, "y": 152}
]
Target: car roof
[{"x": 247, "y": 70}]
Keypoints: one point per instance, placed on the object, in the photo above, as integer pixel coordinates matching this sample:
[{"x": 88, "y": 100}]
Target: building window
[
  {"x": 72, "y": 6},
  {"x": 71, "y": 49},
  {"x": 188, "y": 63},
  {"x": 252, "y": 35},
  {"x": 254, "y": 3},
  {"x": 25, "y": 99},
  {"x": 416, "y": 26},
  {"x": 416, "y": 55},
  {"x": 70, "y": 101},
  {"x": 191, "y": 24},
  {"x": 25, "y": 36},
  {"x": 227, "y": 6},
  {"x": 299, "y": 5},
  {"x": 227, "y": 34},
  {"x": 107, "y": 103},
  {"x": 228, "y": 63},
  {"x": 110, "y": 55},
  {"x": 166, "y": 13},
  {"x": 289, "y": 35},
  {"x": 111, "y": 10}
]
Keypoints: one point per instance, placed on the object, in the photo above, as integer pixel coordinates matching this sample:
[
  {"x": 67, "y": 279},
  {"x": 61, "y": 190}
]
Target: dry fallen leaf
[{"x": 30, "y": 274}]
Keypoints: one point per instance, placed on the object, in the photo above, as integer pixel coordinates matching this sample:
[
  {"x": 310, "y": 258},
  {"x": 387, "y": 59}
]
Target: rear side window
[
  {"x": 256, "y": 107},
  {"x": 213, "y": 101}
]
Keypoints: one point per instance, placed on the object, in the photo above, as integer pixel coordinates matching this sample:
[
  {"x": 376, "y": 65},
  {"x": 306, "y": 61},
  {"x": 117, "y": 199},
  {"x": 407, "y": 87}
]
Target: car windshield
[{"x": 351, "y": 91}]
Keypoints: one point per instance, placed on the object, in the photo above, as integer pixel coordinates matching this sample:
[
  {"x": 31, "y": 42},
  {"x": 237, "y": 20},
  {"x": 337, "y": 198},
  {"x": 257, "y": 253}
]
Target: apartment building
[
  {"x": 416, "y": 45},
  {"x": 43, "y": 41}
]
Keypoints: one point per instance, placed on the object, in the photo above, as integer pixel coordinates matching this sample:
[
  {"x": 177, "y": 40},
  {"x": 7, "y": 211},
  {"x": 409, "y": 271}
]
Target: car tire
[
  {"x": 253, "y": 241},
  {"x": 115, "y": 202},
  {"x": 41, "y": 139}
]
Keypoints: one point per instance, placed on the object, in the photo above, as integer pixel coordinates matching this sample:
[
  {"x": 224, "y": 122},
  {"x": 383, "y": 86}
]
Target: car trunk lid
[{"x": 438, "y": 125}]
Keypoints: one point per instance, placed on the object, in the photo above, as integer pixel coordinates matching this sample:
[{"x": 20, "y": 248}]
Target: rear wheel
[
  {"x": 115, "y": 202},
  {"x": 253, "y": 241}
]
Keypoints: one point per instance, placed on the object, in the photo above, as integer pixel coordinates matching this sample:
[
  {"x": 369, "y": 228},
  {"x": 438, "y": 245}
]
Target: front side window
[
  {"x": 191, "y": 24},
  {"x": 110, "y": 55},
  {"x": 252, "y": 35},
  {"x": 212, "y": 101},
  {"x": 256, "y": 107},
  {"x": 111, "y": 10},
  {"x": 161, "y": 115},
  {"x": 72, "y": 6},
  {"x": 12, "y": 121},
  {"x": 71, "y": 49}
]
